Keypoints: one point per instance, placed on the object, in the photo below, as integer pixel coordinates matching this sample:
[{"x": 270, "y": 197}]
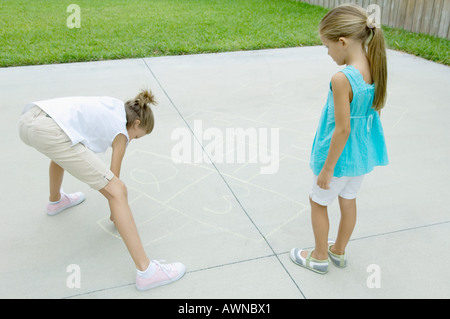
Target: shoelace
[{"x": 164, "y": 267}]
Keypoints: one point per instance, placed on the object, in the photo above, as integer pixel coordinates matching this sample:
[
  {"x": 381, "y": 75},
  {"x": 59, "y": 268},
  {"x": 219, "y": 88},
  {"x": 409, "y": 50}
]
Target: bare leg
[
  {"x": 56, "y": 174},
  {"x": 116, "y": 194},
  {"x": 321, "y": 226},
  {"x": 346, "y": 225}
]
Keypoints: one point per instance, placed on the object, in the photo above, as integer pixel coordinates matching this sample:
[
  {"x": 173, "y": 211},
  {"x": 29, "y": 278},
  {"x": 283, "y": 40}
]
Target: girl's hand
[{"x": 324, "y": 179}]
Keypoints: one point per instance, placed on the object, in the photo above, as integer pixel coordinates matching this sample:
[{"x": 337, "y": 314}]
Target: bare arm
[
  {"x": 341, "y": 94},
  {"x": 119, "y": 146}
]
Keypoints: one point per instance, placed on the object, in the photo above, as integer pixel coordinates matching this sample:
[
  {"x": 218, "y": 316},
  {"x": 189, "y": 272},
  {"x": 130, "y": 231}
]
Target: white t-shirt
[{"x": 93, "y": 121}]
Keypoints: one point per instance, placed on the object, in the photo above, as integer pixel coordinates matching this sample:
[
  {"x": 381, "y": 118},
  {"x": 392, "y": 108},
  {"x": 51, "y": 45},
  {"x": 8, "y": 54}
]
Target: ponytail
[
  {"x": 139, "y": 109},
  {"x": 376, "y": 54}
]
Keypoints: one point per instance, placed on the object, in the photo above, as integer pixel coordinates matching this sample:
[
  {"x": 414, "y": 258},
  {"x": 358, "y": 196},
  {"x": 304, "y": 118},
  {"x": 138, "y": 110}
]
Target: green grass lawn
[
  {"x": 425, "y": 46},
  {"x": 36, "y": 32}
]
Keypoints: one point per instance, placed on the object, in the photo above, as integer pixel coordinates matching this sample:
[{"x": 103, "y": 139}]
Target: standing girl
[
  {"x": 69, "y": 131},
  {"x": 349, "y": 141}
]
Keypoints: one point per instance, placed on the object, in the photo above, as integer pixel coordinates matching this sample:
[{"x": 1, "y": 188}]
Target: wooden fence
[{"x": 421, "y": 16}]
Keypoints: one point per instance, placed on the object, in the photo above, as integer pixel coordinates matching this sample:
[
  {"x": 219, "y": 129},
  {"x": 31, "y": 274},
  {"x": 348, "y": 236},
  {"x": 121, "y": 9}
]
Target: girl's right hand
[{"x": 324, "y": 178}]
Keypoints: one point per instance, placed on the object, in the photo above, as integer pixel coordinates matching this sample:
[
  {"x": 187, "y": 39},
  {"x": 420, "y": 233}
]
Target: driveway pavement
[{"x": 231, "y": 222}]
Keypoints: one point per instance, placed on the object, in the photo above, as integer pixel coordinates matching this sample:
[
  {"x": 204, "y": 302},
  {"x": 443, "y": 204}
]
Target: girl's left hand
[{"x": 324, "y": 179}]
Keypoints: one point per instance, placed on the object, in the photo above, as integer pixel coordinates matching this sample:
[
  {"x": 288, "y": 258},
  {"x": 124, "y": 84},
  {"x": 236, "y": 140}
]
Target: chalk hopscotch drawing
[
  {"x": 158, "y": 218},
  {"x": 159, "y": 192},
  {"x": 168, "y": 198}
]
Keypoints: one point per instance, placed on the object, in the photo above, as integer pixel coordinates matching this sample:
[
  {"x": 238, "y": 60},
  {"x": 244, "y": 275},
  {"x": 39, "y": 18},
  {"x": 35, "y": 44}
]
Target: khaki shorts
[{"x": 40, "y": 131}]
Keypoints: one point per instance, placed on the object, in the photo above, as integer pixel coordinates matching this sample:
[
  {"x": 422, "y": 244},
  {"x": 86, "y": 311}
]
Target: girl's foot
[
  {"x": 66, "y": 201},
  {"x": 339, "y": 260},
  {"x": 158, "y": 274},
  {"x": 303, "y": 258},
  {"x": 305, "y": 253}
]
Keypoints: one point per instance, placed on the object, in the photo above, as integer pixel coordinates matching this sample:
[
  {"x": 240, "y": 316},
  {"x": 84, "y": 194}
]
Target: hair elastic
[{"x": 371, "y": 24}]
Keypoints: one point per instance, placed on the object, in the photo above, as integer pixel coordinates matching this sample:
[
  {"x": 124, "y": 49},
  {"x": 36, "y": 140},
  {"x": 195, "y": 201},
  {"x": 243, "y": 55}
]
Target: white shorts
[{"x": 345, "y": 187}]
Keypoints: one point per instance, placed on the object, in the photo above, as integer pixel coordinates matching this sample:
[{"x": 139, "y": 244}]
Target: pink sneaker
[
  {"x": 163, "y": 275},
  {"x": 66, "y": 201}
]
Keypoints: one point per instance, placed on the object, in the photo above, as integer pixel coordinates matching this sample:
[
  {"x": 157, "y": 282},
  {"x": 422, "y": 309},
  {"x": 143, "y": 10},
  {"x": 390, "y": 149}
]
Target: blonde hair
[
  {"x": 139, "y": 109},
  {"x": 352, "y": 21}
]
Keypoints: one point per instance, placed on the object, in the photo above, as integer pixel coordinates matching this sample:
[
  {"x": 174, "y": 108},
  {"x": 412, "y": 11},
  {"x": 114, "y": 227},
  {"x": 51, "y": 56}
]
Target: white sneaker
[
  {"x": 164, "y": 274},
  {"x": 66, "y": 201}
]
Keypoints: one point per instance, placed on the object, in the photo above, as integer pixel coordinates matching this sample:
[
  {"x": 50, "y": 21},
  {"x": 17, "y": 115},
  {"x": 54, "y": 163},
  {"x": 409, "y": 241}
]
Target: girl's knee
[
  {"x": 346, "y": 201},
  {"x": 115, "y": 189},
  {"x": 315, "y": 204}
]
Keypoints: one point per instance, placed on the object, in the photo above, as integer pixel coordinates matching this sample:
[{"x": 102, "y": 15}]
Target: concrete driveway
[{"x": 232, "y": 222}]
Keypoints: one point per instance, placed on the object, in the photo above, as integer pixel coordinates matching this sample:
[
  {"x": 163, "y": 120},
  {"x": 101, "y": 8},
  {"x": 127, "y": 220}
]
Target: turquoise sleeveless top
[{"x": 366, "y": 147}]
